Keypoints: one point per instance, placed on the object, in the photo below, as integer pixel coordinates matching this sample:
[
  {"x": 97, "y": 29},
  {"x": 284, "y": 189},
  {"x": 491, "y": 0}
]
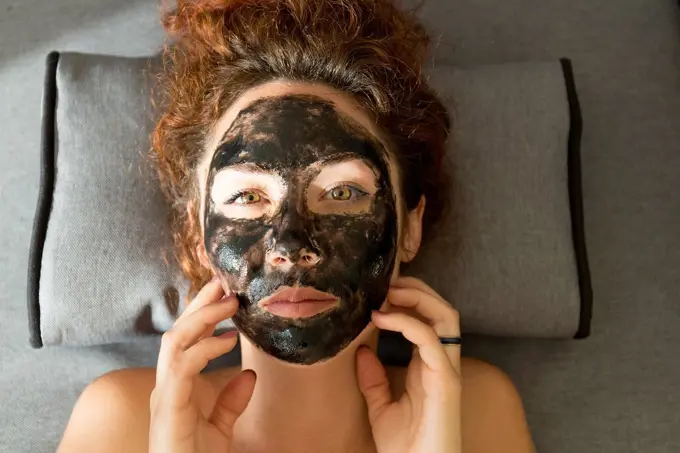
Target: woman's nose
[
  {"x": 284, "y": 260},
  {"x": 290, "y": 243}
]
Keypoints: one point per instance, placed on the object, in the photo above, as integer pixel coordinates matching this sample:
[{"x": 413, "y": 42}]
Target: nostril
[
  {"x": 278, "y": 260},
  {"x": 311, "y": 258}
]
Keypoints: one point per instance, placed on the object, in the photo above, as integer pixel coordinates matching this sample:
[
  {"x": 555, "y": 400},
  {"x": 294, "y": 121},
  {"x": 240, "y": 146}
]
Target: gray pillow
[{"x": 510, "y": 257}]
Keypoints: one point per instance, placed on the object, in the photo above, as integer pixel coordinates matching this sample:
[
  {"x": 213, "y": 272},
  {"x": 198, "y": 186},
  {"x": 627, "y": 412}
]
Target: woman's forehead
[
  {"x": 341, "y": 101},
  {"x": 295, "y": 132}
]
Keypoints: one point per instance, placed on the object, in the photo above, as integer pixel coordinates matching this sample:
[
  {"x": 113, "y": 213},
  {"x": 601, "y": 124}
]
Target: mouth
[{"x": 298, "y": 302}]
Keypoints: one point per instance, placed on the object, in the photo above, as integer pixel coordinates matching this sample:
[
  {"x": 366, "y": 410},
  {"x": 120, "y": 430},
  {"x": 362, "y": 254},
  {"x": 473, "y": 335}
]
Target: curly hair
[{"x": 217, "y": 49}]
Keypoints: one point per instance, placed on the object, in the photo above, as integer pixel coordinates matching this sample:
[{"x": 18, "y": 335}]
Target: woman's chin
[{"x": 368, "y": 336}]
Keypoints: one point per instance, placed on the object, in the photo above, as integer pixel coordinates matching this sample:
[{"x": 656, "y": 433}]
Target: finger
[
  {"x": 187, "y": 332},
  {"x": 404, "y": 281},
  {"x": 373, "y": 382},
  {"x": 232, "y": 401},
  {"x": 199, "y": 325},
  {"x": 197, "y": 357},
  {"x": 442, "y": 316},
  {"x": 420, "y": 334},
  {"x": 211, "y": 292},
  {"x": 176, "y": 381},
  {"x": 195, "y": 307},
  {"x": 390, "y": 308}
]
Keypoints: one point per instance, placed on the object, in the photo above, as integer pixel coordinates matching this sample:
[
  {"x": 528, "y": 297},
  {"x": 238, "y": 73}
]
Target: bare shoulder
[
  {"x": 493, "y": 418},
  {"x": 113, "y": 415},
  {"x": 123, "y": 390},
  {"x": 479, "y": 373},
  {"x": 476, "y": 374},
  {"x": 126, "y": 390}
]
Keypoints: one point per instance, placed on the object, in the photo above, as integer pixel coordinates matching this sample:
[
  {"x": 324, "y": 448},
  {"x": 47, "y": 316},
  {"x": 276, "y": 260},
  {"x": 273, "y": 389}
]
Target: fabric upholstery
[
  {"x": 107, "y": 265},
  {"x": 107, "y": 272}
]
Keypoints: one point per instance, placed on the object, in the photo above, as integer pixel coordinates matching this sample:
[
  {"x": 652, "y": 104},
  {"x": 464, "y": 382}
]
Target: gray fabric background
[
  {"x": 617, "y": 391},
  {"x": 505, "y": 257},
  {"x": 107, "y": 268}
]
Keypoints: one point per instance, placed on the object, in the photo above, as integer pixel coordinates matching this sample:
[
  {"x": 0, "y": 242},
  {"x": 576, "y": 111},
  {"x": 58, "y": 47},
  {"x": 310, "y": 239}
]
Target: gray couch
[{"x": 617, "y": 391}]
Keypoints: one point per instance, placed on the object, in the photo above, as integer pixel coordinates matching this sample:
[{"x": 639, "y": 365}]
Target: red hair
[{"x": 218, "y": 49}]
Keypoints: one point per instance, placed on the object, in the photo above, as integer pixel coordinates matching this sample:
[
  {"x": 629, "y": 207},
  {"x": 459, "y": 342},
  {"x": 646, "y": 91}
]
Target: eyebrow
[
  {"x": 349, "y": 157},
  {"x": 255, "y": 167},
  {"x": 250, "y": 167}
]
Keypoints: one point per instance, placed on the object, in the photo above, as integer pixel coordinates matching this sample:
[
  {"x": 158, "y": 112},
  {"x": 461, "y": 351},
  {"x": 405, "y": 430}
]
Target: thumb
[
  {"x": 373, "y": 382},
  {"x": 232, "y": 401}
]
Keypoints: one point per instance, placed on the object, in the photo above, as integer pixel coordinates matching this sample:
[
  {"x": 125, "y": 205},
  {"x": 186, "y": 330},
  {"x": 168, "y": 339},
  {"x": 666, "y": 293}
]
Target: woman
[{"x": 299, "y": 145}]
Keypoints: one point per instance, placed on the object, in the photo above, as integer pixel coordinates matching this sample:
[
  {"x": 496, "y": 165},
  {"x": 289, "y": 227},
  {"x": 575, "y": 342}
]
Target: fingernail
[
  {"x": 376, "y": 313},
  {"x": 228, "y": 299},
  {"x": 229, "y": 334},
  {"x": 215, "y": 278}
]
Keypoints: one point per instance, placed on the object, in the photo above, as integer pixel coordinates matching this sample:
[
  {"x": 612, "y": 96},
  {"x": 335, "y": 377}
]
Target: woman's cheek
[{"x": 235, "y": 246}]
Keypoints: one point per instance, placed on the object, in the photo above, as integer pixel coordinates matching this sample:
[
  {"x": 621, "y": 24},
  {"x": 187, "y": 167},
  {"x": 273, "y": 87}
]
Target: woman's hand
[
  {"x": 427, "y": 417},
  {"x": 177, "y": 423}
]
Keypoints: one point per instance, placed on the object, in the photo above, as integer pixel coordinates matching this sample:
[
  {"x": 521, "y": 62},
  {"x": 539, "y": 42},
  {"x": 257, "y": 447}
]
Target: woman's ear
[{"x": 413, "y": 233}]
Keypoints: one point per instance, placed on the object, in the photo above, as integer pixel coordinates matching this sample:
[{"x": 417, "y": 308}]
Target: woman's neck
[{"x": 300, "y": 409}]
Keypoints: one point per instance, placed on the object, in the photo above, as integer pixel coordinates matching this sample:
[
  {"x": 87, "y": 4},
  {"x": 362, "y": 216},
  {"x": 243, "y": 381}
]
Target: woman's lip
[
  {"x": 303, "y": 309},
  {"x": 298, "y": 302}
]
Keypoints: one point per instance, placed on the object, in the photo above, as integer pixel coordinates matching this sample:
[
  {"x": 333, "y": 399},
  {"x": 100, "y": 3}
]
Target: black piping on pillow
[
  {"x": 45, "y": 192},
  {"x": 576, "y": 201}
]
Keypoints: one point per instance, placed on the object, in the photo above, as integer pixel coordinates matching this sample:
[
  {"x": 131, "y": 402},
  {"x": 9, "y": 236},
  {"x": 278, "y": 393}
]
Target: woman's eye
[
  {"x": 343, "y": 193},
  {"x": 246, "y": 198}
]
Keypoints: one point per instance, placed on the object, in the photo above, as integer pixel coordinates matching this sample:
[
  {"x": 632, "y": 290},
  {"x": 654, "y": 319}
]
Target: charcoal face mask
[{"x": 294, "y": 137}]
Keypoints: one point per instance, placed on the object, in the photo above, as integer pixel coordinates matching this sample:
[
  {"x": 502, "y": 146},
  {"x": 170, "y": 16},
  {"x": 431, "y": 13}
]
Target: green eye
[
  {"x": 344, "y": 193},
  {"x": 246, "y": 198},
  {"x": 341, "y": 193}
]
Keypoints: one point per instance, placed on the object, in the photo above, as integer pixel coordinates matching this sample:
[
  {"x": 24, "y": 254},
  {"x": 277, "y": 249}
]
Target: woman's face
[{"x": 300, "y": 218}]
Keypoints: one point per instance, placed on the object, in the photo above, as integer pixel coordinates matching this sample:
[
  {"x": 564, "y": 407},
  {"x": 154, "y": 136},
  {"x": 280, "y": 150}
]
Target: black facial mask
[{"x": 295, "y": 136}]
